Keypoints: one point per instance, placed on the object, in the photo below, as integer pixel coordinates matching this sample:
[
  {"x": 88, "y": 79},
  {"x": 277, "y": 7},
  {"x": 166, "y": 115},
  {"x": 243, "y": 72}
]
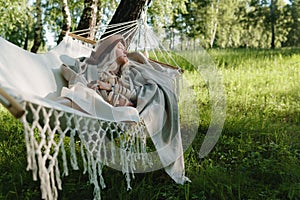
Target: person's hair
[
  {"x": 104, "y": 47},
  {"x": 108, "y": 61}
]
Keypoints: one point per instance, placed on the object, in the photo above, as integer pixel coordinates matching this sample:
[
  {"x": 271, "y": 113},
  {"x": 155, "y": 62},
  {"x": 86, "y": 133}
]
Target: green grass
[{"x": 256, "y": 157}]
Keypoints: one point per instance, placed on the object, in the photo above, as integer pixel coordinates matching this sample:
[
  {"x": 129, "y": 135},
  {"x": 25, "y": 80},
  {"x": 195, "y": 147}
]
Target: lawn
[{"x": 257, "y": 155}]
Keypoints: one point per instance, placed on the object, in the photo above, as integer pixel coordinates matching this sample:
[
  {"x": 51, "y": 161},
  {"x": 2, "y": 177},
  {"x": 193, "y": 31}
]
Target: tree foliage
[
  {"x": 293, "y": 38},
  {"x": 16, "y": 22},
  {"x": 210, "y": 23},
  {"x": 236, "y": 23}
]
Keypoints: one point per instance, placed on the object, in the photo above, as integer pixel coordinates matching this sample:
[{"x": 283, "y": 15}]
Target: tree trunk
[
  {"x": 273, "y": 21},
  {"x": 38, "y": 27},
  {"x": 128, "y": 10},
  {"x": 214, "y": 24},
  {"x": 26, "y": 38},
  {"x": 99, "y": 14},
  {"x": 67, "y": 20},
  {"x": 88, "y": 18},
  {"x": 213, "y": 36}
]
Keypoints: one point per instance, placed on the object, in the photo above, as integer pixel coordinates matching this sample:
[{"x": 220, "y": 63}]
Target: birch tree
[
  {"x": 66, "y": 27},
  {"x": 214, "y": 9},
  {"x": 38, "y": 37}
]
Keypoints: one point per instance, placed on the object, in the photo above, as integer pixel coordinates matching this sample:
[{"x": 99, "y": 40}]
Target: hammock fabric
[{"x": 35, "y": 81}]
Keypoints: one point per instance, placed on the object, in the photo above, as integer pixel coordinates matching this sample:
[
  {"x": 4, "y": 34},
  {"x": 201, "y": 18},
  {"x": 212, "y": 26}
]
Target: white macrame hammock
[{"x": 28, "y": 78}]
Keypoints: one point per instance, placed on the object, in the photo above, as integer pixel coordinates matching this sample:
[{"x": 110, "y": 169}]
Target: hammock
[
  {"x": 34, "y": 80},
  {"x": 37, "y": 77}
]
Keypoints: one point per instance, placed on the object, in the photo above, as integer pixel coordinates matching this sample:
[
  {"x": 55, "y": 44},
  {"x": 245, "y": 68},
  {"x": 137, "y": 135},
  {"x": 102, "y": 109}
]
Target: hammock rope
[{"x": 144, "y": 40}]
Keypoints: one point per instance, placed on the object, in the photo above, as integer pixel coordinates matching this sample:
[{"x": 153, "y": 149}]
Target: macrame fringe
[{"x": 101, "y": 143}]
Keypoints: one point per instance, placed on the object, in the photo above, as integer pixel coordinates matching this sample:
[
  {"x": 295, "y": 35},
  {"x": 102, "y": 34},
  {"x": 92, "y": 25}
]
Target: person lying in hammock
[
  {"x": 104, "y": 71},
  {"x": 134, "y": 83},
  {"x": 109, "y": 84}
]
